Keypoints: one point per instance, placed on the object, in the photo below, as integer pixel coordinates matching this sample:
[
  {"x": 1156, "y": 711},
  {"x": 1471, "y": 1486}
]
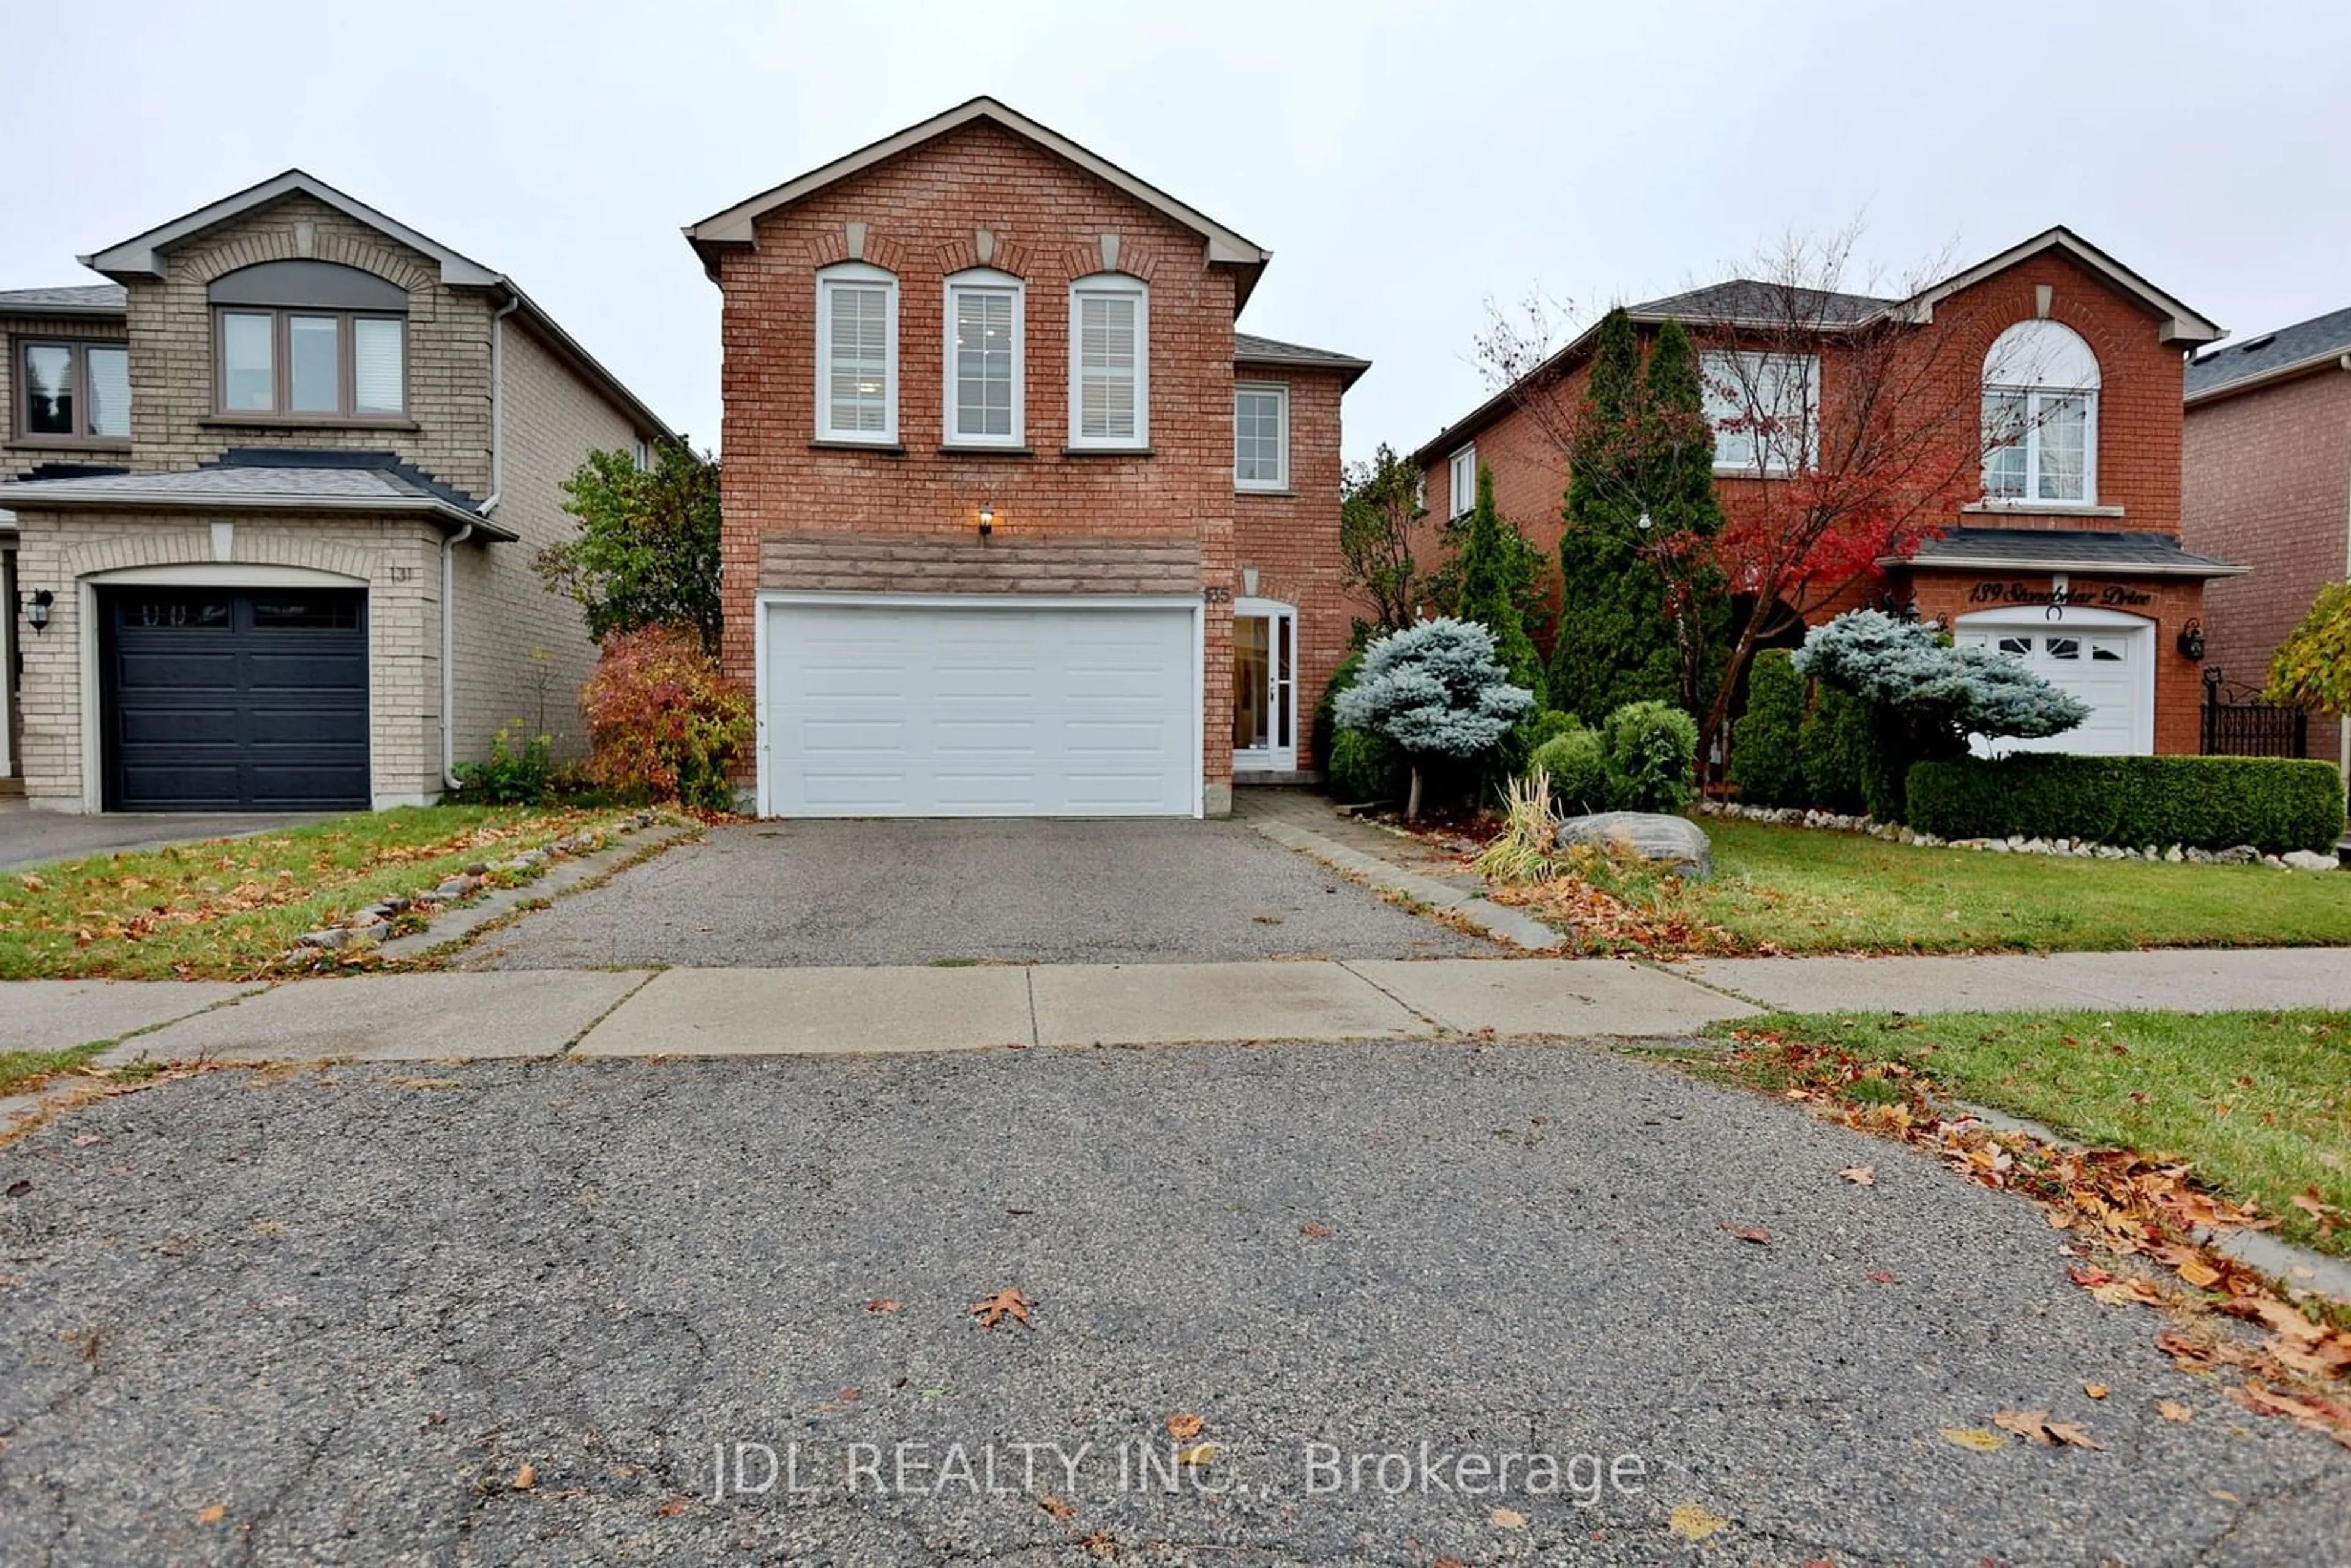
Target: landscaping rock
[
  {"x": 479, "y": 868},
  {"x": 329, "y": 936},
  {"x": 2174, "y": 855},
  {"x": 377, "y": 931},
  {"x": 1650, "y": 836},
  {"x": 2309, "y": 860},
  {"x": 2238, "y": 854},
  {"x": 455, "y": 887}
]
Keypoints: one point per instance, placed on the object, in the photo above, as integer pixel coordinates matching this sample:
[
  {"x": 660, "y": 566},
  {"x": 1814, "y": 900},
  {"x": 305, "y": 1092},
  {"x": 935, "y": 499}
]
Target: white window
[
  {"x": 1110, "y": 362},
  {"x": 643, "y": 455},
  {"x": 1461, "y": 483},
  {"x": 1261, "y": 436},
  {"x": 857, "y": 354},
  {"x": 1765, "y": 410},
  {"x": 985, "y": 352},
  {"x": 2041, "y": 417}
]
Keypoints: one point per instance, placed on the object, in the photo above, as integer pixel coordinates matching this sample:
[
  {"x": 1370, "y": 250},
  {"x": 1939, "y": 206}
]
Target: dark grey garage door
[{"x": 253, "y": 699}]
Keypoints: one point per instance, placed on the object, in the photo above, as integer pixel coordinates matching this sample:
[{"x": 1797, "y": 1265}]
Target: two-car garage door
[{"x": 983, "y": 707}]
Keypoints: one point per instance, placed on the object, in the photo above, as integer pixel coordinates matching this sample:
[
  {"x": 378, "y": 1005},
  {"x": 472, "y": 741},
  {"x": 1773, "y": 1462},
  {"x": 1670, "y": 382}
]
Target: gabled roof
[
  {"x": 1750, "y": 301},
  {"x": 2180, "y": 324},
  {"x": 736, "y": 224},
  {"x": 73, "y": 300},
  {"x": 1248, "y": 348},
  {"x": 2315, "y": 344},
  {"x": 141, "y": 256}
]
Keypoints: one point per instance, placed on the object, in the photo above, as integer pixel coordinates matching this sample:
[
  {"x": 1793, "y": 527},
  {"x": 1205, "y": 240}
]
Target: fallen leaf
[
  {"x": 20, "y": 1187},
  {"x": 1184, "y": 1425},
  {"x": 1693, "y": 1523},
  {"x": 1880, "y": 1277},
  {"x": 2096, "y": 1390},
  {"x": 526, "y": 1476},
  {"x": 881, "y": 1304},
  {"x": 1508, "y": 1518},
  {"x": 672, "y": 1509},
  {"x": 2199, "y": 1273},
  {"x": 85, "y": 1140},
  {"x": 2073, "y": 1434},
  {"x": 1975, "y": 1437},
  {"x": 2029, "y": 1424},
  {"x": 1198, "y": 1454},
  {"x": 1008, "y": 1302},
  {"x": 2173, "y": 1410},
  {"x": 1059, "y": 1507},
  {"x": 1748, "y": 1233},
  {"x": 1860, "y": 1176},
  {"x": 32, "y": 884},
  {"x": 1314, "y": 1230},
  {"x": 849, "y": 1395},
  {"x": 212, "y": 1513}
]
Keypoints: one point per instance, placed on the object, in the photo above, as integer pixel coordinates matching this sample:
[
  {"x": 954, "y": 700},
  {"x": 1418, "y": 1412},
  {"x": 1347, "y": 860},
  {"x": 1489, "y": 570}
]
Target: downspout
[{"x": 450, "y": 542}]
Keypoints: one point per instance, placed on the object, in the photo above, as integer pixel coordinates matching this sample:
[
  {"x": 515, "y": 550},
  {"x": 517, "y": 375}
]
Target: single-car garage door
[
  {"x": 253, "y": 699},
  {"x": 2108, "y": 664},
  {"x": 985, "y": 708}
]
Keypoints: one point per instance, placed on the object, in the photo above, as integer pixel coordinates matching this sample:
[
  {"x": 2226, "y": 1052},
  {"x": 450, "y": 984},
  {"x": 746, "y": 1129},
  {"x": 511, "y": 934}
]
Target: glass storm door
[{"x": 1265, "y": 707}]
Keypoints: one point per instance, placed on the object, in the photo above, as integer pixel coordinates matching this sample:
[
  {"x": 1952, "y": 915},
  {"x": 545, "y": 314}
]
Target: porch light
[
  {"x": 2191, "y": 642},
  {"x": 36, "y": 608},
  {"x": 987, "y": 519}
]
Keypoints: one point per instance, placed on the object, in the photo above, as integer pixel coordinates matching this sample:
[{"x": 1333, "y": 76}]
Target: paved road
[
  {"x": 33, "y": 837},
  {"x": 861, "y": 892},
  {"x": 345, "y": 1309}
]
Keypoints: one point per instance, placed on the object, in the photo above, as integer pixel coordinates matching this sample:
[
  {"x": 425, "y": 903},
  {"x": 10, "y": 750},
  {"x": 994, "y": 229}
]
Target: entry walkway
[{"x": 756, "y": 1011}]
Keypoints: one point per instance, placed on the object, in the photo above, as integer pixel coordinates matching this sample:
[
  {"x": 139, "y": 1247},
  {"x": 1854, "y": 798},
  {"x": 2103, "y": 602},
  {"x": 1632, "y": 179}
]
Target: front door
[{"x": 1265, "y": 702}]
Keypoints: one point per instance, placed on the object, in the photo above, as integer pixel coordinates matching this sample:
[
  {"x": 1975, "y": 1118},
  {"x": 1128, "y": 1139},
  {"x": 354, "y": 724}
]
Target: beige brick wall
[
  {"x": 447, "y": 431},
  {"x": 396, "y": 561},
  {"x": 522, "y": 651},
  {"x": 18, "y": 454}
]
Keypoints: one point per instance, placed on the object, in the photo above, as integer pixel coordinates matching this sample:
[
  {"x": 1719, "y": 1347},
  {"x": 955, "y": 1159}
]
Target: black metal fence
[{"x": 2237, "y": 722}]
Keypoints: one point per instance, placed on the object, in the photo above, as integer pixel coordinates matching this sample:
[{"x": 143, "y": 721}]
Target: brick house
[
  {"x": 2064, "y": 550},
  {"x": 2269, "y": 483},
  {"x": 1017, "y": 523},
  {"x": 272, "y": 498}
]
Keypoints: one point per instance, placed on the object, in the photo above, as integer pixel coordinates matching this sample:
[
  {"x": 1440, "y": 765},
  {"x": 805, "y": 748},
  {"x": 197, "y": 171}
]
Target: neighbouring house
[
  {"x": 272, "y": 498},
  {"x": 1016, "y": 522},
  {"x": 2062, "y": 549},
  {"x": 2269, "y": 483}
]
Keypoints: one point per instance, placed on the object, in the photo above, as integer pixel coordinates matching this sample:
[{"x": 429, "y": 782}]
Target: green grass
[
  {"x": 228, "y": 908},
  {"x": 2260, "y": 1103},
  {"x": 22, "y": 1070},
  {"x": 1807, "y": 890}
]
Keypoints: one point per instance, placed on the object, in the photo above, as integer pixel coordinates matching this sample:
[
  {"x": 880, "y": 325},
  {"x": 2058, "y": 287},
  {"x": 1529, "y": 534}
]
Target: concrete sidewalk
[{"x": 760, "y": 1011}]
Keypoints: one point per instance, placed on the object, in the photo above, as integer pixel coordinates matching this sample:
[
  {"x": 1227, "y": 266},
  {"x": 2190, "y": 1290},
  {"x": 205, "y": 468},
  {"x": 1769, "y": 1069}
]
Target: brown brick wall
[
  {"x": 2269, "y": 486},
  {"x": 1046, "y": 219}
]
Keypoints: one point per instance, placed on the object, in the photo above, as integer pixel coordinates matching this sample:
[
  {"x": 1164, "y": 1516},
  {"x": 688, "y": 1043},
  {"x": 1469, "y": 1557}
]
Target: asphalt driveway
[
  {"x": 518, "y": 1311},
  {"x": 788, "y": 893},
  {"x": 31, "y": 838}
]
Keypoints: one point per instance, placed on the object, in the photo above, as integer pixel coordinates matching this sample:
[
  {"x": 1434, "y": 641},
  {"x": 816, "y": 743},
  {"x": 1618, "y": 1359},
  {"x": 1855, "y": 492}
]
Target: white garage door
[
  {"x": 982, "y": 707},
  {"x": 2109, "y": 665}
]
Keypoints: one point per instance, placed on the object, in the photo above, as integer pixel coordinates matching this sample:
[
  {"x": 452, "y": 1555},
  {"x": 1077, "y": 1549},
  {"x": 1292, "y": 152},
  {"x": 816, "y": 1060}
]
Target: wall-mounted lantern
[
  {"x": 2191, "y": 642},
  {"x": 36, "y": 608},
  {"x": 987, "y": 519}
]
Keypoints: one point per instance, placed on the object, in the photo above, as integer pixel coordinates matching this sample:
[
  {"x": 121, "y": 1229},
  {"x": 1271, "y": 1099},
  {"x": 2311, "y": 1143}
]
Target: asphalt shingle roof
[
  {"x": 2225, "y": 364},
  {"x": 264, "y": 478},
  {"x": 1752, "y": 299},
  {"x": 77, "y": 298},
  {"x": 1250, "y": 349},
  {"x": 2063, "y": 547}
]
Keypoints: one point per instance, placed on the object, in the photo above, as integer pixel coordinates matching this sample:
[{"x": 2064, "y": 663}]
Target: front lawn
[
  {"x": 2260, "y": 1103},
  {"x": 228, "y": 908},
  {"x": 1800, "y": 890}
]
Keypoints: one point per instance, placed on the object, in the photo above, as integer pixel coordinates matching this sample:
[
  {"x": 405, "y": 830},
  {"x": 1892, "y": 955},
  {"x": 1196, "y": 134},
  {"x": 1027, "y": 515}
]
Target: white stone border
[{"x": 2015, "y": 844}]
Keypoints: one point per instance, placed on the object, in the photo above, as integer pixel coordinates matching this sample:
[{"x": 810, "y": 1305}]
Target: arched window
[
  {"x": 2041, "y": 417},
  {"x": 309, "y": 340},
  {"x": 857, "y": 354}
]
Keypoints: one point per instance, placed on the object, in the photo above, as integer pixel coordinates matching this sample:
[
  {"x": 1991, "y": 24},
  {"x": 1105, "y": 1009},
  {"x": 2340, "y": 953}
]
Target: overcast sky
[{"x": 1405, "y": 162}]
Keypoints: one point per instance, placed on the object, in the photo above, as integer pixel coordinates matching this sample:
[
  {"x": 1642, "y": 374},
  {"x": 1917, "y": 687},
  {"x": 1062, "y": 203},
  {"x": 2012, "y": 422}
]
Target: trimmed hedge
[
  {"x": 1834, "y": 749},
  {"x": 1652, "y": 750},
  {"x": 1577, "y": 764},
  {"x": 2198, "y": 802},
  {"x": 1765, "y": 761},
  {"x": 1364, "y": 768}
]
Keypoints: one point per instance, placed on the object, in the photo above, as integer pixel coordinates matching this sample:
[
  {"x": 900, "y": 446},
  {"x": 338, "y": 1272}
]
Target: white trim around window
[
  {"x": 1765, "y": 410},
  {"x": 1260, "y": 435},
  {"x": 1110, "y": 362},
  {"x": 984, "y": 380},
  {"x": 857, "y": 354},
  {"x": 1461, "y": 482}
]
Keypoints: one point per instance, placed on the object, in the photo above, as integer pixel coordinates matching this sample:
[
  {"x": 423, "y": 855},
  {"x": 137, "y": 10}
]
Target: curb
[{"x": 460, "y": 924}]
